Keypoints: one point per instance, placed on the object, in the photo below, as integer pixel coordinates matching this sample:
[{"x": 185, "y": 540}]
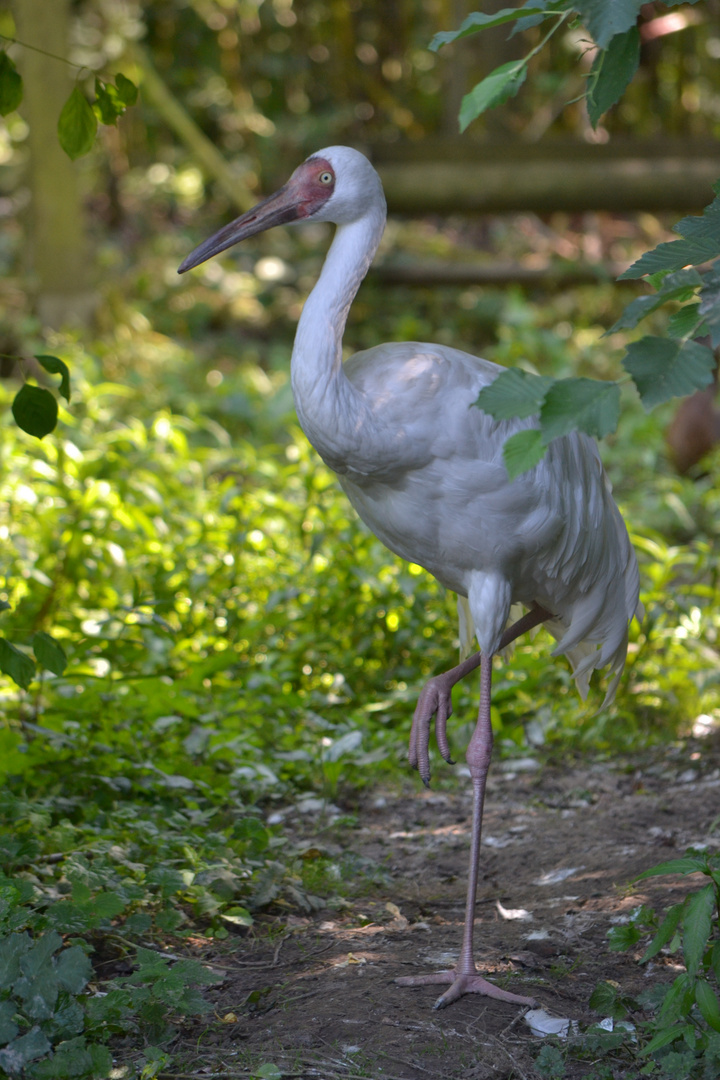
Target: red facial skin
[{"x": 307, "y": 190}]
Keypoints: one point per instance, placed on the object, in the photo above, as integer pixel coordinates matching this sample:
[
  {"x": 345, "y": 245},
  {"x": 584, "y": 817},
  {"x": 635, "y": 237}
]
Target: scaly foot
[
  {"x": 463, "y": 984},
  {"x": 435, "y": 701}
]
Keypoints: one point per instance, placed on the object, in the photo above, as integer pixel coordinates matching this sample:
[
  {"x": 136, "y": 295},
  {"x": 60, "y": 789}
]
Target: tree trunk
[{"x": 57, "y": 253}]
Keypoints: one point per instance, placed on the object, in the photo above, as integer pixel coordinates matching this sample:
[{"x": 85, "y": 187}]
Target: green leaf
[
  {"x": 22, "y": 1051},
  {"x": 686, "y": 322},
  {"x": 268, "y": 1071},
  {"x": 238, "y": 916},
  {"x": 74, "y": 969},
  {"x": 127, "y": 90},
  {"x": 522, "y": 451},
  {"x": 12, "y": 949},
  {"x": 77, "y": 125},
  {"x": 665, "y": 933},
  {"x": 710, "y": 303},
  {"x": 707, "y": 1003},
  {"x": 605, "y": 19},
  {"x": 8, "y": 1027},
  {"x": 108, "y": 103},
  {"x": 477, "y": 21},
  {"x": 106, "y": 905},
  {"x": 55, "y": 366},
  {"x": 588, "y": 405},
  {"x": 665, "y": 1037},
  {"x": 169, "y": 881},
  {"x": 35, "y": 410},
  {"x": 697, "y": 921},
  {"x": 514, "y": 393},
  {"x": 678, "y": 286},
  {"x": 501, "y": 84},
  {"x": 39, "y": 992},
  {"x": 603, "y": 997},
  {"x": 688, "y": 864},
  {"x": 11, "y": 87},
  {"x": 663, "y": 368},
  {"x": 611, "y": 72},
  {"x": 16, "y": 664},
  {"x": 48, "y": 653},
  {"x": 700, "y": 244},
  {"x": 621, "y": 938},
  {"x": 677, "y": 1002}
]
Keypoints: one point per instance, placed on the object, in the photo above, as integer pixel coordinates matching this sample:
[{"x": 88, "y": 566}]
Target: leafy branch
[
  {"x": 686, "y": 1019},
  {"x": 660, "y": 367},
  {"x": 78, "y": 120}
]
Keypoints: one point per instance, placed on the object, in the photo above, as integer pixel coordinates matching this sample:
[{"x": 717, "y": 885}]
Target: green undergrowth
[
  {"x": 670, "y": 1031},
  {"x": 213, "y": 650}
]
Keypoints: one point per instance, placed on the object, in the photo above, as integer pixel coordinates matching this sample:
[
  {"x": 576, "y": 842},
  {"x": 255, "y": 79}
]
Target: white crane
[{"x": 424, "y": 470}]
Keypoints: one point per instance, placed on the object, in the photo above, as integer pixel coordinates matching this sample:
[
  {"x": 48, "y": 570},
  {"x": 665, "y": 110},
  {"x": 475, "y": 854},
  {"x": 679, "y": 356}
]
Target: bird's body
[{"x": 423, "y": 467}]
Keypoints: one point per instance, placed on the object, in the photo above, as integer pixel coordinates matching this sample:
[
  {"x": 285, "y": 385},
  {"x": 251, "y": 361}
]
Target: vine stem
[{"x": 44, "y": 52}]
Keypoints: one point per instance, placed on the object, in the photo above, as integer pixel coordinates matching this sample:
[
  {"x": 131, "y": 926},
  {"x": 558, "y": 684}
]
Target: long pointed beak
[{"x": 278, "y": 209}]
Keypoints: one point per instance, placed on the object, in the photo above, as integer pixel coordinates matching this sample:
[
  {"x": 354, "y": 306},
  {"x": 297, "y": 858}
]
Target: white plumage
[{"x": 423, "y": 467}]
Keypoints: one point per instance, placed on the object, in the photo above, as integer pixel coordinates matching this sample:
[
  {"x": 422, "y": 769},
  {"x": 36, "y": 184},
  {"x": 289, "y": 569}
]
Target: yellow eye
[{"x": 326, "y": 178}]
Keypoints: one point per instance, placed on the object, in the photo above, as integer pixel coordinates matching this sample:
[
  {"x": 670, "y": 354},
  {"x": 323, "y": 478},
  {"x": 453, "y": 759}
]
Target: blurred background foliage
[{"x": 238, "y": 645}]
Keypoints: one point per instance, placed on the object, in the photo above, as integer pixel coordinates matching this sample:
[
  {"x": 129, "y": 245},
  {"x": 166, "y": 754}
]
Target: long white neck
[{"x": 327, "y": 404}]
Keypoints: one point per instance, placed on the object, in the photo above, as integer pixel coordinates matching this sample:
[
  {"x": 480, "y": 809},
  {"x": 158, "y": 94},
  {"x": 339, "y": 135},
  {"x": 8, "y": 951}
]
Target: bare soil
[{"x": 315, "y": 995}]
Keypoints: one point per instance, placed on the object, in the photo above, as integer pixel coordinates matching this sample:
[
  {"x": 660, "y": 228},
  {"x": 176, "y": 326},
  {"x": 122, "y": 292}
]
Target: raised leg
[{"x": 435, "y": 699}]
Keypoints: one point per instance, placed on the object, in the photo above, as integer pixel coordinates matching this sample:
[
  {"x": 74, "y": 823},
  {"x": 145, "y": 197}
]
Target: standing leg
[{"x": 464, "y": 978}]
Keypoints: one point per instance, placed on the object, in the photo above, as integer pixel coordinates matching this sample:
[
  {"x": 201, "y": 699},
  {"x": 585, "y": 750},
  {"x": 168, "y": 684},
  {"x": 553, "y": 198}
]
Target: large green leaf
[
  {"x": 37, "y": 959},
  {"x": 611, "y": 72},
  {"x": 588, "y": 405},
  {"x": 74, "y": 969},
  {"x": 605, "y": 19},
  {"x": 663, "y": 368},
  {"x": 501, "y": 84},
  {"x": 477, "y": 21},
  {"x": 39, "y": 993},
  {"x": 48, "y": 653},
  {"x": 20, "y": 1052},
  {"x": 11, "y": 87},
  {"x": 514, "y": 393},
  {"x": 77, "y": 125},
  {"x": 16, "y": 664},
  {"x": 35, "y": 410},
  {"x": 697, "y": 921},
  {"x": 687, "y": 864}
]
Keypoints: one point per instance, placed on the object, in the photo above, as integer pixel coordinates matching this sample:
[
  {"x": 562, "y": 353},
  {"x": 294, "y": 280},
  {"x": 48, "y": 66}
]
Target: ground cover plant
[{"x": 234, "y": 645}]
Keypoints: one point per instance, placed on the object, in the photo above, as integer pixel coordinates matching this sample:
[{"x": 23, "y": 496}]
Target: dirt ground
[{"x": 316, "y": 997}]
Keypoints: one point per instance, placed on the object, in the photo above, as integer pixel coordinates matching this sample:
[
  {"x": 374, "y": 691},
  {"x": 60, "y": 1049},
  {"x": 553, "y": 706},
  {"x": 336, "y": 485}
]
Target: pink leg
[
  {"x": 436, "y": 699},
  {"x": 464, "y": 978}
]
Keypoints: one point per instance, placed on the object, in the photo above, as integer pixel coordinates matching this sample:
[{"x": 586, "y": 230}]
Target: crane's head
[{"x": 337, "y": 184}]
